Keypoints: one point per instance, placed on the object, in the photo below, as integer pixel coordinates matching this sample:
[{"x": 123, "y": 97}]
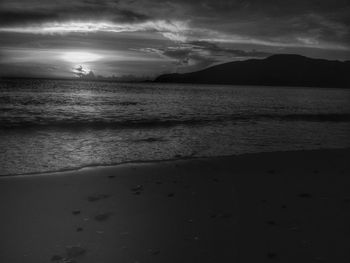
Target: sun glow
[{"x": 80, "y": 57}]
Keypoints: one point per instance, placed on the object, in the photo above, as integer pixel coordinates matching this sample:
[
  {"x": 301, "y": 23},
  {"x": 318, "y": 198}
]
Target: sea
[{"x": 56, "y": 125}]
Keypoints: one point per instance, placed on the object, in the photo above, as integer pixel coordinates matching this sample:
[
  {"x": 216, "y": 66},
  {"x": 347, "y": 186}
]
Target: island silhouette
[{"x": 276, "y": 70}]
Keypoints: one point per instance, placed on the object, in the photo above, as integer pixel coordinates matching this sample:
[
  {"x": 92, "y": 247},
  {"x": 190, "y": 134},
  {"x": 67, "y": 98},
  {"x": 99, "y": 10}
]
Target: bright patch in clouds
[
  {"x": 173, "y": 30},
  {"x": 80, "y": 57}
]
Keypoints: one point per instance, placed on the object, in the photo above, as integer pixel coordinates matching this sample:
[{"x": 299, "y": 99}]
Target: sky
[{"x": 42, "y": 38}]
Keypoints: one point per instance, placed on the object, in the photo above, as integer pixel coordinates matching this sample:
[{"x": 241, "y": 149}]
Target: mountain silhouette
[{"x": 281, "y": 70}]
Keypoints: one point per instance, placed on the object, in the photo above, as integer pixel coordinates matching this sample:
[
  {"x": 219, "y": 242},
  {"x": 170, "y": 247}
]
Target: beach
[
  {"x": 265, "y": 207},
  {"x": 146, "y": 131}
]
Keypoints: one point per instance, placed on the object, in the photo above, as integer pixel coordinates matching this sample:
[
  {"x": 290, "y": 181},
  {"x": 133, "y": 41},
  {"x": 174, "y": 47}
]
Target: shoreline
[
  {"x": 282, "y": 206},
  {"x": 140, "y": 162}
]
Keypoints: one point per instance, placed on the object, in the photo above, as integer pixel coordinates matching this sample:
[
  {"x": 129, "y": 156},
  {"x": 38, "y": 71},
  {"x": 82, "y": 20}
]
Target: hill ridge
[{"x": 275, "y": 70}]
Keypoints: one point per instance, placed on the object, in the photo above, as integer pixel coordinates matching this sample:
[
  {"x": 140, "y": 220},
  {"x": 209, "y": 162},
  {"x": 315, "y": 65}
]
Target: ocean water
[{"x": 50, "y": 125}]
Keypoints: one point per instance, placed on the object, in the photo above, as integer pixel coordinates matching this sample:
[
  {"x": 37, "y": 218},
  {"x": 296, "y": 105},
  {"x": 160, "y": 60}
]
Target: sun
[{"x": 80, "y": 57}]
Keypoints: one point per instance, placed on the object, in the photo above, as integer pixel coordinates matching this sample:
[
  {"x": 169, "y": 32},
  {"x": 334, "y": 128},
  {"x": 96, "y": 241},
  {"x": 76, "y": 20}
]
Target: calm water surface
[{"x": 55, "y": 125}]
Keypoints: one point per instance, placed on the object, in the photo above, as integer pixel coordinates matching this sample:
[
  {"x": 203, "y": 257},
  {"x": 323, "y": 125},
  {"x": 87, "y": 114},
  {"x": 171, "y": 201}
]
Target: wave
[
  {"x": 9, "y": 123},
  {"x": 330, "y": 117}
]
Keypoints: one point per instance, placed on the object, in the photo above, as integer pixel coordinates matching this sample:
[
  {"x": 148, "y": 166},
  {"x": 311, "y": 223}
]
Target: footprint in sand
[
  {"x": 271, "y": 223},
  {"x": 97, "y": 197},
  {"x": 154, "y": 251},
  {"x": 213, "y": 215},
  {"x": 271, "y": 255},
  {"x": 305, "y": 195},
  {"x": 137, "y": 190},
  {"x": 75, "y": 251},
  {"x": 71, "y": 253},
  {"x": 224, "y": 215},
  {"x": 56, "y": 258},
  {"x": 103, "y": 216},
  {"x": 346, "y": 200},
  {"x": 76, "y": 212}
]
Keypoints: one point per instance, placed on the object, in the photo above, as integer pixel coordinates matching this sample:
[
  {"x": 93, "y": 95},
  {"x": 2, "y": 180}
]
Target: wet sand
[{"x": 268, "y": 207}]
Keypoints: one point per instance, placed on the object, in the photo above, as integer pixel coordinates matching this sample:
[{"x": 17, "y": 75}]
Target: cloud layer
[{"x": 182, "y": 35}]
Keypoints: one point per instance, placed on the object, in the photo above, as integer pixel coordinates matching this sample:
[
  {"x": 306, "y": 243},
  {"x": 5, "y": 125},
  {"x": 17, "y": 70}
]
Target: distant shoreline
[
  {"x": 71, "y": 79},
  {"x": 277, "y": 70},
  {"x": 185, "y": 158}
]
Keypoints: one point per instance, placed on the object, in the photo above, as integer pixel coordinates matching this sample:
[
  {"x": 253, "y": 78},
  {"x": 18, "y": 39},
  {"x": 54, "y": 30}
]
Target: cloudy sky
[{"x": 149, "y": 37}]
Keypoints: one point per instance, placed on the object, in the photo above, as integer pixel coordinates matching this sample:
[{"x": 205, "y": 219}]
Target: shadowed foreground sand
[{"x": 270, "y": 207}]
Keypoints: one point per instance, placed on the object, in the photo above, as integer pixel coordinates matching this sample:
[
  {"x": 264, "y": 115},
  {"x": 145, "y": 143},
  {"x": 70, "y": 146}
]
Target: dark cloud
[
  {"x": 270, "y": 19},
  {"x": 271, "y": 8},
  {"x": 214, "y": 48},
  {"x": 19, "y": 17},
  {"x": 77, "y": 10},
  {"x": 273, "y": 20},
  {"x": 198, "y": 54}
]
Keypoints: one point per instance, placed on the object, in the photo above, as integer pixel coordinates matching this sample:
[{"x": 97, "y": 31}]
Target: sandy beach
[{"x": 268, "y": 207}]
